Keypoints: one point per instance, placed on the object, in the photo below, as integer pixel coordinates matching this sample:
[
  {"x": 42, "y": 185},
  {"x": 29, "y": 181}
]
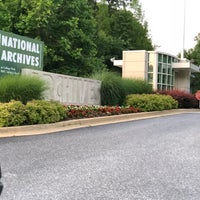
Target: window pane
[
  {"x": 169, "y": 70},
  {"x": 164, "y": 79},
  {"x": 150, "y": 69},
  {"x": 159, "y": 67},
  {"x": 150, "y": 77},
  {"x": 169, "y": 80},
  {"x": 169, "y": 59},
  {"x": 159, "y": 87},
  {"x": 159, "y": 78},
  {"x": 164, "y": 58},
  {"x": 159, "y": 57},
  {"x": 164, "y": 68}
]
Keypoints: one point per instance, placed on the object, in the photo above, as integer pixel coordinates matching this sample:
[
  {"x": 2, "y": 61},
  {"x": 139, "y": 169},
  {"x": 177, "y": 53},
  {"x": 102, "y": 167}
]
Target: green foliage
[
  {"x": 119, "y": 29},
  {"x": 195, "y": 83},
  {"x": 184, "y": 99},
  {"x": 21, "y": 88},
  {"x": 114, "y": 89},
  {"x": 71, "y": 47},
  {"x": 151, "y": 102},
  {"x": 111, "y": 89},
  {"x": 128, "y": 29},
  {"x": 43, "y": 112},
  {"x": 28, "y": 18},
  {"x": 136, "y": 86},
  {"x": 12, "y": 114},
  {"x": 194, "y": 56}
]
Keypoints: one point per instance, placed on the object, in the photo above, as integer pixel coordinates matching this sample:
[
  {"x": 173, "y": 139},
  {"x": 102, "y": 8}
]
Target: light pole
[{"x": 184, "y": 15}]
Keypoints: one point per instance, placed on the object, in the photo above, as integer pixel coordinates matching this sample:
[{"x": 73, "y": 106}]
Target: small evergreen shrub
[
  {"x": 43, "y": 112},
  {"x": 151, "y": 102},
  {"x": 12, "y": 114},
  {"x": 21, "y": 88},
  {"x": 185, "y": 99}
]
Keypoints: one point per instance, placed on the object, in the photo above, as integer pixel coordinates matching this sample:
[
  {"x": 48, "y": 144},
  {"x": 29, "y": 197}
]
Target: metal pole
[{"x": 184, "y": 14}]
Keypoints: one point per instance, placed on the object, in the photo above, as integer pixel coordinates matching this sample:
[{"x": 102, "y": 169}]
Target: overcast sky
[{"x": 166, "y": 23}]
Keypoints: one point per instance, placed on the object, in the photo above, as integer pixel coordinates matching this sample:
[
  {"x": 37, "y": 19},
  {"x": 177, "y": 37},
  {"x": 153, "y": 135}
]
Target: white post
[{"x": 184, "y": 14}]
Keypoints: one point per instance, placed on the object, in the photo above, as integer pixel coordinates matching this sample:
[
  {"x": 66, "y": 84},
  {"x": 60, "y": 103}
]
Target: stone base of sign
[{"x": 68, "y": 89}]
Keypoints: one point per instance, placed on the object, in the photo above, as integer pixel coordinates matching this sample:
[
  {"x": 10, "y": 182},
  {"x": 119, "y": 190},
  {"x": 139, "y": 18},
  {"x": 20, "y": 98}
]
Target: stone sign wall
[{"x": 68, "y": 89}]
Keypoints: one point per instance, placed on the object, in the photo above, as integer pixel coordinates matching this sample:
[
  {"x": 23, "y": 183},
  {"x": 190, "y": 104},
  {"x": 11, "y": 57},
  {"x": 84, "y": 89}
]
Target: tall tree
[
  {"x": 72, "y": 49},
  {"x": 129, "y": 30},
  {"x": 23, "y": 17},
  {"x": 116, "y": 4},
  {"x": 119, "y": 30},
  {"x": 194, "y": 56},
  {"x": 67, "y": 28}
]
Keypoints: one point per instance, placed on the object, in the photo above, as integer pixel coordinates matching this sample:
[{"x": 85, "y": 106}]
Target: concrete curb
[{"x": 80, "y": 123}]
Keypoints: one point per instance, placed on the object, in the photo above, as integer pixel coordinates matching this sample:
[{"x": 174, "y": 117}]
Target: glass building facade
[{"x": 160, "y": 72}]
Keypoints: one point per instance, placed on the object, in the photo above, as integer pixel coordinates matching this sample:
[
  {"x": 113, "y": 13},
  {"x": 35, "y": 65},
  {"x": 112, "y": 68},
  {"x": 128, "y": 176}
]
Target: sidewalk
[{"x": 87, "y": 122}]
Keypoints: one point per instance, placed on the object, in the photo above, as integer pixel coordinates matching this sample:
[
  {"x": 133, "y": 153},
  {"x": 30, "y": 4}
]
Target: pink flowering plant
[{"x": 80, "y": 111}]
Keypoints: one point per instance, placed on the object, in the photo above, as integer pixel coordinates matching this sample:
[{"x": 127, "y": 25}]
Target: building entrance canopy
[{"x": 185, "y": 64}]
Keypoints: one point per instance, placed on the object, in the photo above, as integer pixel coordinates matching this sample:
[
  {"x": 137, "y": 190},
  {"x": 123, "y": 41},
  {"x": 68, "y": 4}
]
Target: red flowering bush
[
  {"x": 77, "y": 111},
  {"x": 185, "y": 99}
]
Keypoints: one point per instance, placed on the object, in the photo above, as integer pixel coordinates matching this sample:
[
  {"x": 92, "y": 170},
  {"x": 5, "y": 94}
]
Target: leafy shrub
[
  {"x": 185, "y": 99},
  {"x": 151, "y": 102},
  {"x": 114, "y": 89},
  {"x": 15, "y": 113},
  {"x": 42, "y": 112},
  {"x": 21, "y": 88},
  {"x": 12, "y": 114}
]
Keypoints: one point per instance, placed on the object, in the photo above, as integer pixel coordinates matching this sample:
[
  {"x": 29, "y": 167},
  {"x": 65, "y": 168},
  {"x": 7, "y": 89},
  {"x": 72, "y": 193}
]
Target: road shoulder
[{"x": 87, "y": 122}]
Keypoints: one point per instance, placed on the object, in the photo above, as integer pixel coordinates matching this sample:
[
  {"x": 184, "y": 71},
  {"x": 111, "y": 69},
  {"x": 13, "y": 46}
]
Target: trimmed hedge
[
  {"x": 185, "y": 99},
  {"x": 43, "y": 112},
  {"x": 12, "y": 114},
  {"x": 151, "y": 102},
  {"x": 15, "y": 113}
]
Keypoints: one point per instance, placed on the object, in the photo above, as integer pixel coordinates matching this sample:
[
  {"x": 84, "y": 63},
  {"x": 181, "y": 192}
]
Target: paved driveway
[{"x": 152, "y": 159}]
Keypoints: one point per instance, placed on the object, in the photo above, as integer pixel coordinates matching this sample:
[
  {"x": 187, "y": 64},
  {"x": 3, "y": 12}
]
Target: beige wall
[
  {"x": 69, "y": 89},
  {"x": 135, "y": 64}
]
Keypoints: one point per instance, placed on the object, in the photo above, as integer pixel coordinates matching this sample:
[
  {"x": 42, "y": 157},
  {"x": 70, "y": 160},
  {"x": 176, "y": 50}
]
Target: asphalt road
[{"x": 151, "y": 159}]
